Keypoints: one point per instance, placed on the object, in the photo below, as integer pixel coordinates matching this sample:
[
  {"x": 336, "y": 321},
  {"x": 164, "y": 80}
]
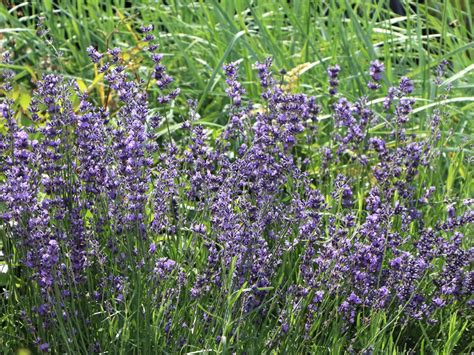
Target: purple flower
[
  {"x": 318, "y": 296},
  {"x": 94, "y": 55},
  {"x": 146, "y": 29},
  {"x": 264, "y": 72},
  {"x": 441, "y": 71},
  {"x": 164, "y": 267},
  {"x": 392, "y": 92},
  {"x": 376, "y": 70},
  {"x": 406, "y": 85},
  {"x": 199, "y": 228},
  {"x": 235, "y": 89},
  {"x": 44, "y": 347},
  {"x": 438, "y": 302},
  {"x": 333, "y": 73},
  {"x": 354, "y": 299}
]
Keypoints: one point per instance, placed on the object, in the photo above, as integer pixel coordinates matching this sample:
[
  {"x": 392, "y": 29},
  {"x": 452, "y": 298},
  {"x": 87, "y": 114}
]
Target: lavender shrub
[{"x": 119, "y": 240}]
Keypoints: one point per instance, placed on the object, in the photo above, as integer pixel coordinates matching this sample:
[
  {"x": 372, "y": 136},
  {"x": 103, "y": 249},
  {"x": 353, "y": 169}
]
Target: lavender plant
[{"x": 307, "y": 233}]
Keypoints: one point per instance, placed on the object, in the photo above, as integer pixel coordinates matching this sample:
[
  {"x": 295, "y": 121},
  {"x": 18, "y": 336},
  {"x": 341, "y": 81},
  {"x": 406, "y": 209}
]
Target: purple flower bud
[
  {"x": 146, "y": 29},
  {"x": 94, "y": 55},
  {"x": 333, "y": 73},
  {"x": 438, "y": 302},
  {"x": 406, "y": 85},
  {"x": 376, "y": 70}
]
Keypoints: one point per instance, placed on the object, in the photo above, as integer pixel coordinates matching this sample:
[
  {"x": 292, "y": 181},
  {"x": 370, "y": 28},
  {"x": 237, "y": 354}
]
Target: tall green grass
[{"x": 199, "y": 36}]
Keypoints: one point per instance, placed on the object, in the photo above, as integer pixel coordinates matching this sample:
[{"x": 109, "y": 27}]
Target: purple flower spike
[
  {"x": 376, "y": 70},
  {"x": 333, "y": 73},
  {"x": 406, "y": 85}
]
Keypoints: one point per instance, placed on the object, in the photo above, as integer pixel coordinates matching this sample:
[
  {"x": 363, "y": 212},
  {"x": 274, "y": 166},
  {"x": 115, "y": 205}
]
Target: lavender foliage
[{"x": 105, "y": 215}]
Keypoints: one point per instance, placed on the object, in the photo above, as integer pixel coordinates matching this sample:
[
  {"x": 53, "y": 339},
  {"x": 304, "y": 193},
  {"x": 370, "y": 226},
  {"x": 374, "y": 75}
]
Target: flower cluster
[{"x": 106, "y": 214}]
